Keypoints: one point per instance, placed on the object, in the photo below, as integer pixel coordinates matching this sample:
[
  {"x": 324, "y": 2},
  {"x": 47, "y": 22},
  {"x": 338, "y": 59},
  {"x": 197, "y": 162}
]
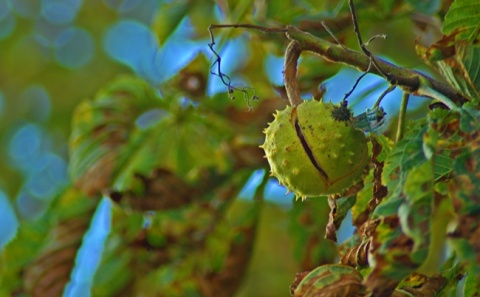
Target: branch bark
[{"x": 410, "y": 81}]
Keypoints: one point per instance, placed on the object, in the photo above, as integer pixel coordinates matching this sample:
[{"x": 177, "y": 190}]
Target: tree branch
[{"x": 410, "y": 81}]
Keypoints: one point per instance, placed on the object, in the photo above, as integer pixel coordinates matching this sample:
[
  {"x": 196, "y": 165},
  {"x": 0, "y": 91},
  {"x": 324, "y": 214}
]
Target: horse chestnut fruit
[{"x": 314, "y": 152}]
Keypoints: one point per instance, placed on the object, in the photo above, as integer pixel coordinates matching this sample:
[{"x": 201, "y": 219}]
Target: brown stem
[{"x": 292, "y": 53}]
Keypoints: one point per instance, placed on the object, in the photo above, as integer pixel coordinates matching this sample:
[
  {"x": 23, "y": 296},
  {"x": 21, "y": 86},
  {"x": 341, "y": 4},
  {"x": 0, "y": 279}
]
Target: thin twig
[
  {"x": 386, "y": 75},
  {"x": 402, "y": 117},
  {"x": 372, "y": 58},
  {"x": 218, "y": 60},
  {"x": 383, "y": 36},
  {"x": 247, "y": 26},
  {"x": 357, "y": 81},
  {"x": 331, "y": 34},
  {"x": 388, "y": 90}
]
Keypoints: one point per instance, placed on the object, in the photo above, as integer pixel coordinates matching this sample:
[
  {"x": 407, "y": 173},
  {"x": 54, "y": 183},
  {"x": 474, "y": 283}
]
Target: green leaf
[
  {"x": 307, "y": 228},
  {"x": 463, "y": 190},
  {"x": 363, "y": 198},
  {"x": 466, "y": 253},
  {"x": 452, "y": 271},
  {"x": 462, "y": 18},
  {"x": 472, "y": 285},
  {"x": 373, "y": 191},
  {"x": 209, "y": 238},
  {"x": 201, "y": 14},
  {"x": 443, "y": 165},
  {"x": 470, "y": 118},
  {"x": 402, "y": 238},
  {"x": 406, "y": 154},
  {"x": 437, "y": 140},
  {"x": 427, "y": 7},
  {"x": 415, "y": 213},
  {"x": 127, "y": 131},
  {"x": 450, "y": 74},
  {"x": 284, "y": 11},
  {"x": 169, "y": 16},
  {"x": 386, "y": 145},
  {"x": 469, "y": 57},
  {"x": 466, "y": 184},
  {"x": 101, "y": 127}
]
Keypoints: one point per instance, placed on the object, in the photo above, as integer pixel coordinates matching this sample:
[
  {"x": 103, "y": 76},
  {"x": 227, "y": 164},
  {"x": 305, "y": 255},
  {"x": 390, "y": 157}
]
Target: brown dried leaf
[
  {"x": 299, "y": 276},
  {"x": 247, "y": 153},
  {"x": 331, "y": 228},
  {"x": 391, "y": 251},
  {"x": 98, "y": 176},
  {"x": 339, "y": 207},
  {"x": 308, "y": 221},
  {"x": 50, "y": 272},
  {"x": 468, "y": 228},
  {"x": 379, "y": 190},
  {"x": 226, "y": 282},
  {"x": 357, "y": 256},
  {"x": 328, "y": 280},
  {"x": 161, "y": 190},
  {"x": 420, "y": 285}
]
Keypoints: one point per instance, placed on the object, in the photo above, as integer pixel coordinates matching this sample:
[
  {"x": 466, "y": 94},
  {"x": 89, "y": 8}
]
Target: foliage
[{"x": 181, "y": 165}]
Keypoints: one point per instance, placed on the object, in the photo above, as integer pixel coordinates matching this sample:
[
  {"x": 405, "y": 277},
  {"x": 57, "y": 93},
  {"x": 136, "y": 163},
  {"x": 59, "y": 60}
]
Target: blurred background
[{"x": 55, "y": 53}]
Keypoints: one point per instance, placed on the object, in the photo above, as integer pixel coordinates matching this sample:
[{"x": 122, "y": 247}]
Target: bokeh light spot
[
  {"x": 248, "y": 190},
  {"x": 150, "y": 118},
  {"x": 74, "y": 48},
  {"x": 274, "y": 68},
  {"x": 25, "y": 144},
  {"x": 278, "y": 193},
  {"x": 37, "y": 100},
  {"x": 122, "y": 5},
  {"x": 129, "y": 41},
  {"x": 46, "y": 34},
  {"x": 7, "y": 25},
  {"x": 60, "y": 11},
  {"x": 48, "y": 177},
  {"x": 9, "y": 225},
  {"x": 29, "y": 207},
  {"x": 26, "y": 8},
  {"x": 173, "y": 56},
  {"x": 139, "y": 10},
  {"x": 4, "y": 9},
  {"x": 132, "y": 43}
]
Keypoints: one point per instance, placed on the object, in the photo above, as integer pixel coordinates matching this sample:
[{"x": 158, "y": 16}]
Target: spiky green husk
[{"x": 339, "y": 150}]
